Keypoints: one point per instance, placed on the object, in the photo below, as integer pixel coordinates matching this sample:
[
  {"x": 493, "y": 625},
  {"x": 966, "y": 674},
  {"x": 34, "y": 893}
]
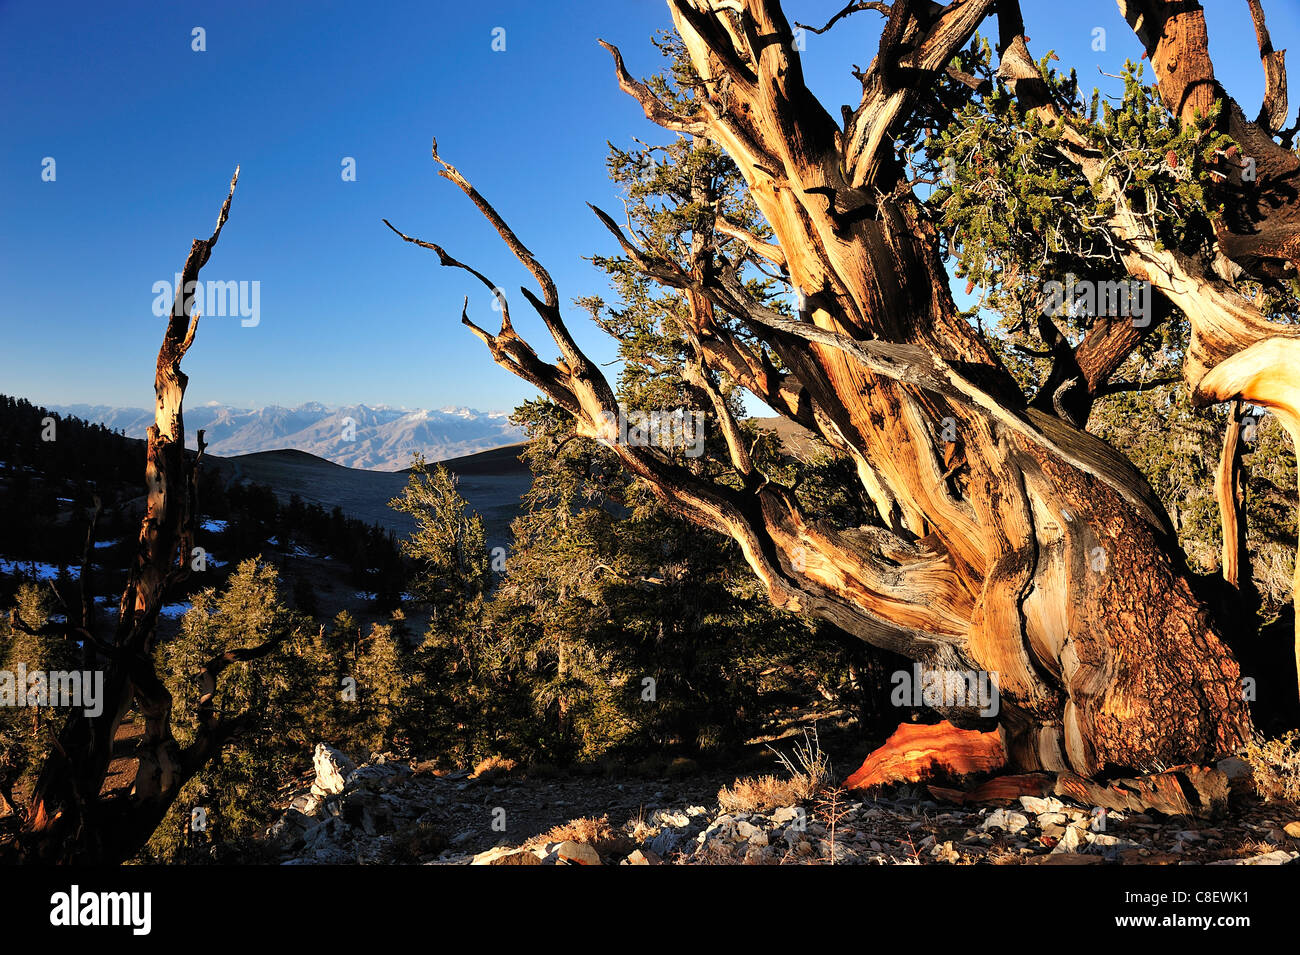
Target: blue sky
[{"x": 145, "y": 133}]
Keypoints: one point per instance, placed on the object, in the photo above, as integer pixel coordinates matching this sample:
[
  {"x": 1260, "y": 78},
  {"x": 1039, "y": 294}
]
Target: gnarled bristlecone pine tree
[
  {"x": 1009, "y": 540},
  {"x": 73, "y": 814}
]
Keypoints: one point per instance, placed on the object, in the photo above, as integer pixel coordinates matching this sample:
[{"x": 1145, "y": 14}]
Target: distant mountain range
[{"x": 380, "y": 438}]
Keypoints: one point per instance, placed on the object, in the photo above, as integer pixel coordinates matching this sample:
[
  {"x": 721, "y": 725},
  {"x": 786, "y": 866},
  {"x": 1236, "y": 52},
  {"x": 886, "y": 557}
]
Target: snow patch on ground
[{"x": 41, "y": 570}]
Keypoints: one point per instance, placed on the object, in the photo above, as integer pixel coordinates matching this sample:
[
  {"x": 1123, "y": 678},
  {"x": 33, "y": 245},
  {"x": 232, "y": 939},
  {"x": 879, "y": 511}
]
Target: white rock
[
  {"x": 666, "y": 817},
  {"x": 747, "y": 830},
  {"x": 1074, "y": 839},
  {"x": 1277, "y": 857},
  {"x": 787, "y": 814},
  {"x": 1038, "y": 805},
  {"x": 1113, "y": 843},
  {"x": 504, "y": 855},
  {"x": 576, "y": 853},
  {"x": 332, "y": 770},
  {"x": 1004, "y": 819},
  {"x": 945, "y": 853},
  {"x": 307, "y": 804},
  {"x": 724, "y": 827},
  {"x": 377, "y": 777}
]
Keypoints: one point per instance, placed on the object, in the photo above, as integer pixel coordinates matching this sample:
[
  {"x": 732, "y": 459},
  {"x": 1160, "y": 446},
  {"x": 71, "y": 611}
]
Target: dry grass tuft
[
  {"x": 1275, "y": 764},
  {"x": 809, "y": 772},
  {"x": 760, "y": 794},
  {"x": 1256, "y": 847},
  {"x": 640, "y": 829},
  {"x": 1005, "y": 857},
  {"x": 595, "y": 832},
  {"x": 714, "y": 852},
  {"x": 807, "y": 762},
  {"x": 494, "y": 767}
]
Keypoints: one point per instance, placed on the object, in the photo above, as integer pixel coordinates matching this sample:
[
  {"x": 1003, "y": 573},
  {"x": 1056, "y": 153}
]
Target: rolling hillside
[{"x": 491, "y": 481}]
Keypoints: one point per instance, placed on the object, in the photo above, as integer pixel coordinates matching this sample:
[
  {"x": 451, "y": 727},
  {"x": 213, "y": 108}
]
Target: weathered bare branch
[
  {"x": 655, "y": 110},
  {"x": 1273, "y": 112},
  {"x": 211, "y": 673},
  {"x": 856, "y": 7},
  {"x": 448, "y": 261},
  {"x": 756, "y": 245},
  {"x": 1229, "y": 490},
  {"x": 67, "y": 799},
  {"x": 916, "y": 46}
]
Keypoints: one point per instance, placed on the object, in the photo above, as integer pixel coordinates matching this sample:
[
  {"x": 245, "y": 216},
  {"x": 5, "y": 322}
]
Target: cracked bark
[{"x": 987, "y": 553}]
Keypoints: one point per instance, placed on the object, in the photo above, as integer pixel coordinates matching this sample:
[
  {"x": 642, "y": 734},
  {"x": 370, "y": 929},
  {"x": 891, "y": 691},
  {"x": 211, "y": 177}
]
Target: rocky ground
[{"x": 390, "y": 811}]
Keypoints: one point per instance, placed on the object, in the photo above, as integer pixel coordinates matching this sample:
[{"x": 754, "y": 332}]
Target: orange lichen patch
[{"x": 916, "y": 752}]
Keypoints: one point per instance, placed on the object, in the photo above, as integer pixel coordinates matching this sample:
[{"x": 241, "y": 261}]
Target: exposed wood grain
[{"x": 917, "y": 752}]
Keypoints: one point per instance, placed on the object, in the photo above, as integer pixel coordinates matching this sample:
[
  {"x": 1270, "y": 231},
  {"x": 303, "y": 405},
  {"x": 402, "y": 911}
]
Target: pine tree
[{"x": 284, "y": 696}]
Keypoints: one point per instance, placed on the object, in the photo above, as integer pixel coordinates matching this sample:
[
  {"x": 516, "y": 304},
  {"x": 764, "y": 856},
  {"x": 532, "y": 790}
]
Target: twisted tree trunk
[
  {"x": 71, "y": 818},
  {"x": 1009, "y": 540}
]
